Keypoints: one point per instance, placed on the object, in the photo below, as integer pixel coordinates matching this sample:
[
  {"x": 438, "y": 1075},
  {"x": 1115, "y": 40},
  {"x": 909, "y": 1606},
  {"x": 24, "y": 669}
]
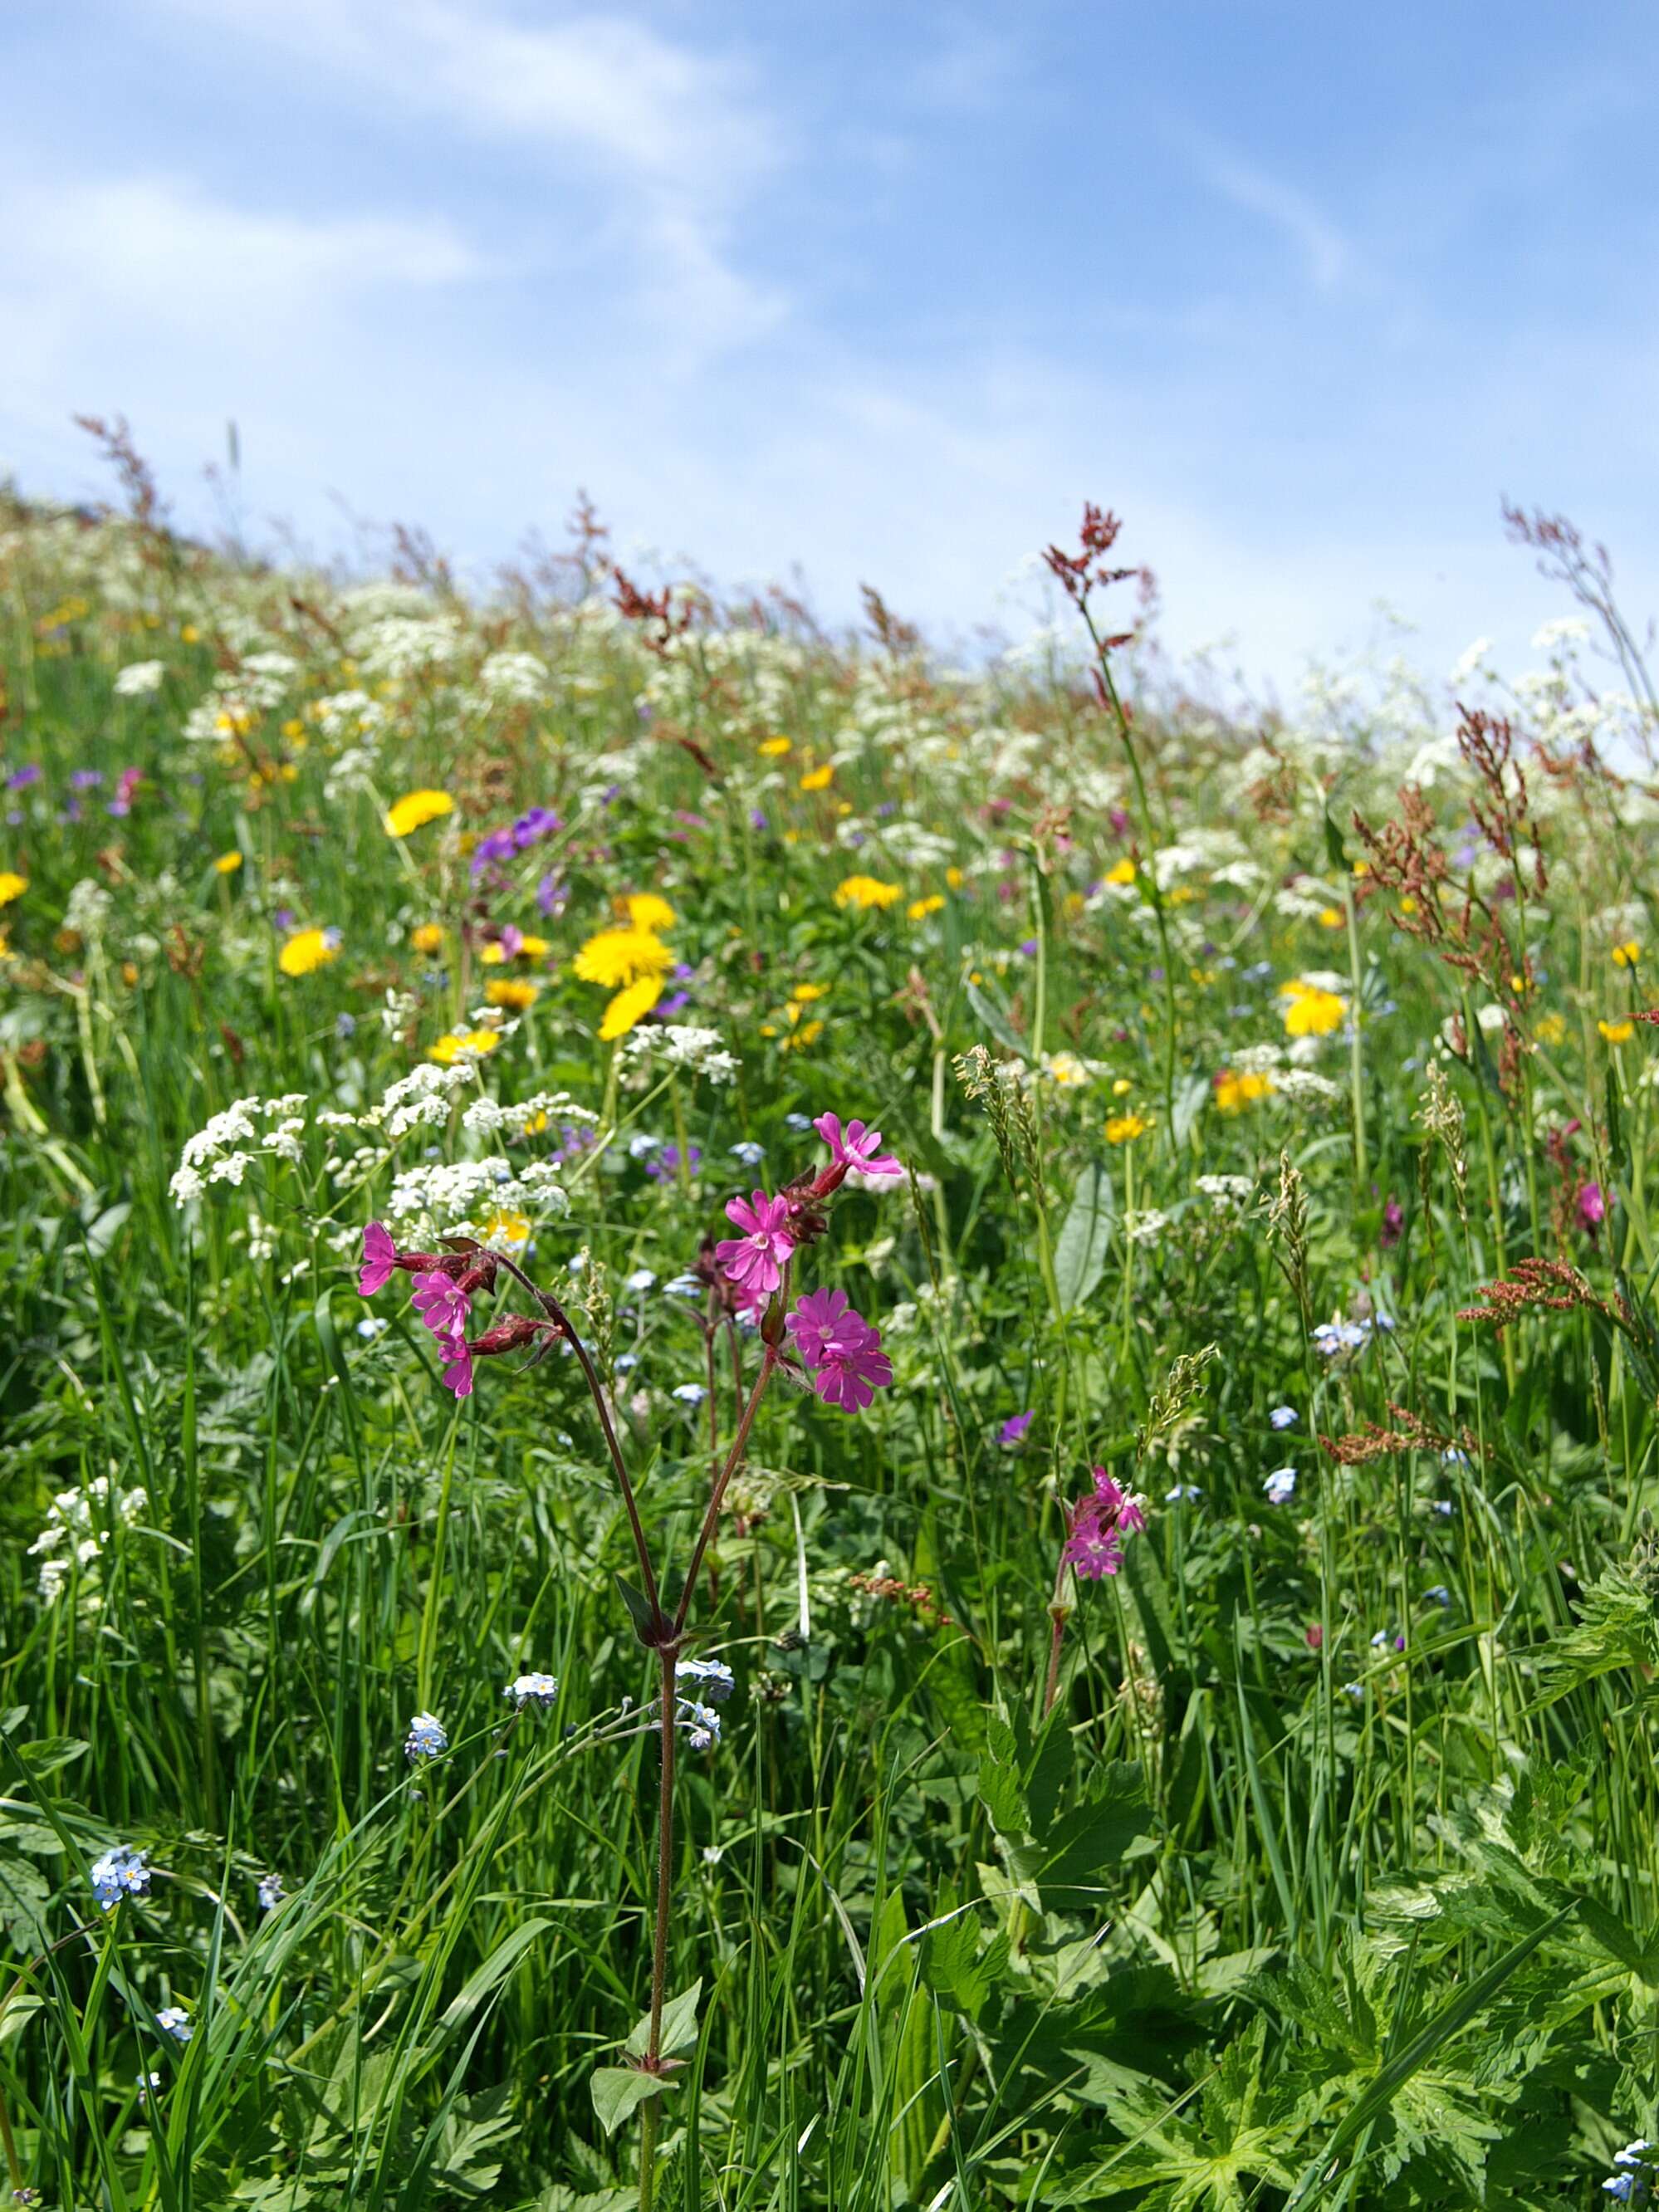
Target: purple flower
[
  {"x": 21, "y": 778},
  {"x": 1095, "y": 1527},
  {"x": 1592, "y": 1206},
  {"x": 532, "y": 826},
  {"x": 1394, "y": 1223},
  {"x": 444, "y": 1307},
  {"x": 126, "y": 790},
  {"x": 823, "y": 1324},
  {"x": 284, "y": 918},
  {"x": 552, "y": 897},
  {"x": 498, "y": 846},
  {"x": 756, "y": 1259},
  {"x": 856, "y": 1146},
  {"x": 1012, "y": 1431},
  {"x": 379, "y": 1258},
  {"x": 85, "y": 778},
  {"x": 664, "y": 1166},
  {"x": 458, "y": 1375},
  {"x": 757, "y": 821}
]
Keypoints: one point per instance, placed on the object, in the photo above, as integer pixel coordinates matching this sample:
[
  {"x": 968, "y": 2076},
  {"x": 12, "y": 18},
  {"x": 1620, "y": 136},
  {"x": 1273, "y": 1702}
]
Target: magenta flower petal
[
  {"x": 856, "y": 1146},
  {"x": 379, "y": 1258}
]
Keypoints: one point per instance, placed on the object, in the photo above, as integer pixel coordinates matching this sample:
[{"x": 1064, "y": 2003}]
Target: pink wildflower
[
  {"x": 851, "y": 1374},
  {"x": 1592, "y": 1206},
  {"x": 1095, "y": 1527},
  {"x": 756, "y": 1259},
  {"x": 823, "y": 1324},
  {"x": 857, "y": 1146},
  {"x": 379, "y": 1258},
  {"x": 457, "y": 1376},
  {"x": 443, "y": 1305}
]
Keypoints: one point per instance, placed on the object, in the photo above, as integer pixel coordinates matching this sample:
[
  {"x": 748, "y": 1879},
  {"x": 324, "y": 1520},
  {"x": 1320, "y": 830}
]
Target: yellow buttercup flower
[
  {"x": 505, "y": 1222},
  {"x": 1121, "y": 1087},
  {"x": 1617, "y": 1032},
  {"x": 918, "y": 910},
  {"x": 1234, "y": 1092},
  {"x": 818, "y": 779},
  {"x": 801, "y": 1034},
  {"x": 954, "y": 877},
  {"x": 866, "y": 891},
  {"x": 1549, "y": 1030},
  {"x": 508, "y": 991},
  {"x": 493, "y": 954},
  {"x": 308, "y": 950},
  {"x": 1124, "y": 1128},
  {"x": 1627, "y": 955},
  {"x": 226, "y": 864},
  {"x": 12, "y": 885},
  {"x": 648, "y": 911},
  {"x": 1124, "y": 873},
  {"x": 532, "y": 948},
  {"x": 775, "y": 748},
  {"x": 415, "y": 810},
  {"x": 473, "y": 1044},
  {"x": 616, "y": 956},
  {"x": 629, "y": 1007},
  {"x": 1312, "y": 1011},
  {"x": 1408, "y": 904},
  {"x": 429, "y": 938},
  {"x": 804, "y": 994},
  {"x": 1330, "y": 917}
]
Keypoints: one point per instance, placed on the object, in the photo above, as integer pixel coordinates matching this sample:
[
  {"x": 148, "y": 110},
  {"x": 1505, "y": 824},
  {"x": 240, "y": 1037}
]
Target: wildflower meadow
[{"x": 789, "y": 1427}]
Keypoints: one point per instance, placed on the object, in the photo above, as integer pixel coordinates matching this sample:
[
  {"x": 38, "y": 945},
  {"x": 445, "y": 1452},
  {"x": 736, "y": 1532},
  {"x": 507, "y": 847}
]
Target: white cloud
[{"x": 1325, "y": 251}]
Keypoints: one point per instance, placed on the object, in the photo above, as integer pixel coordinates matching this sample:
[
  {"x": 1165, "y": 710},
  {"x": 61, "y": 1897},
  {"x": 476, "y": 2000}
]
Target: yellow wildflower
[
  {"x": 775, "y": 748},
  {"x": 1234, "y": 1092},
  {"x": 1121, "y": 1087},
  {"x": 226, "y": 864},
  {"x": 953, "y": 877},
  {"x": 1549, "y": 1030},
  {"x": 308, "y": 950},
  {"x": 818, "y": 779},
  {"x": 1330, "y": 917},
  {"x": 1408, "y": 904},
  {"x": 918, "y": 910},
  {"x": 429, "y": 938},
  {"x": 1124, "y": 1128},
  {"x": 190, "y": 633},
  {"x": 532, "y": 948},
  {"x": 804, "y": 994},
  {"x": 415, "y": 810},
  {"x": 801, "y": 1034},
  {"x": 866, "y": 891},
  {"x": 629, "y": 1007},
  {"x": 1312, "y": 1011},
  {"x": 493, "y": 954},
  {"x": 506, "y": 1223},
  {"x": 1627, "y": 955},
  {"x": 647, "y": 912},
  {"x": 1124, "y": 873},
  {"x": 1617, "y": 1032},
  {"x": 476, "y": 1044},
  {"x": 616, "y": 956},
  {"x": 508, "y": 991}
]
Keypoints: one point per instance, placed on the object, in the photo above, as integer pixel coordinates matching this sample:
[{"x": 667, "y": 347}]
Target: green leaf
[
  {"x": 494, "y": 1970},
  {"x": 679, "y": 2025},
  {"x": 994, "y": 1019},
  {"x": 1190, "y": 1102},
  {"x": 647, "y": 1619},
  {"x": 1080, "y": 1250},
  {"x": 616, "y": 2090}
]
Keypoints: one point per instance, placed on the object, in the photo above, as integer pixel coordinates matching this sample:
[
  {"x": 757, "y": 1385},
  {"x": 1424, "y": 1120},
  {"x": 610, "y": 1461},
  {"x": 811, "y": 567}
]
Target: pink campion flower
[
  {"x": 1096, "y": 1525},
  {"x": 852, "y": 1373},
  {"x": 856, "y": 1146},
  {"x": 756, "y": 1259},
  {"x": 457, "y": 1376},
  {"x": 1092, "y": 1550},
  {"x": 443, "y": 1305},
  {"x": 1121, "y": 1509},
  {"x": 823, "y": 1324},
  {"x": 1592, "y": 1206},
  {"x": 379, "y": 1260}
]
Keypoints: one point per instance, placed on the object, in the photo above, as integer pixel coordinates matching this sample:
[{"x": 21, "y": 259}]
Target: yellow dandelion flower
[
  {"x": 506, "y": 1223},
  {"x": 429, "y": 938},
  {"x": 1124, "y": 873},
  {"x": 415, "y": 810},
  {"x": 647, "y": 912},
  {"x": 804, "y": 994},
  {"x": 294, "y": 731},
  {"x": 1312, "y": 1011},
  {"x": 918, "y": 910},
  {"x": 1408, "y": 904},
  {"x": 493, "y": 954},
  {"x": 532, "y": 948},
  {"x": 190, "y": 634},
  {"x": 801, "y": 1034},
  {"x": 226, "y": 864},
  {"x": 954, "y": 878},
  {"x": 1617, "y": 1032},
  {"x": 536, "y": 1124},
  {"x": 866, "y": 891},
  {"x": 775, "y": 748},
  {"x": 1234, "y": 1092},
  {"x": 1330, "y": 917},
  {"x": 629, "y": 1007},
  {"x": 473, "y": 1044},
  {"x": 617, "y": 957},
  {"x": 1627, "y": 955},
  {"x": 1124, "y": 1128},
  {"x": 1121, "y": 1087},
  {"x": 308, "y": 950},
  {"x": 508, "y": 991},
  {"x": 1550, "y": 1029},
  {"x": 818, "y": 779}
]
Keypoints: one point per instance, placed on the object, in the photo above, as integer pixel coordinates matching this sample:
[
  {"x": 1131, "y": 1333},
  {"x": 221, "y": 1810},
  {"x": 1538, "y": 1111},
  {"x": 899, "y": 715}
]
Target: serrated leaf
[{"x": 617, "y": 2091}]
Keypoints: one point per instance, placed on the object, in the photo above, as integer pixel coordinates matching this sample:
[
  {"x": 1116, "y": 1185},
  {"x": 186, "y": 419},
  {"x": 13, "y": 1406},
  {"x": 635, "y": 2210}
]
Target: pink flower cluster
[
  {"x": 842, "y": 1348},
  {"x": 444, "y": 1283},
  {"x": 1095, "y": 1526},
  {"x": 773, "y": 1227}
]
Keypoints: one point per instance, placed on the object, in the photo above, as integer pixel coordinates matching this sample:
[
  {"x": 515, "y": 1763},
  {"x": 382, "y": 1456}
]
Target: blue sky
[{"x": 881, "y": 292}]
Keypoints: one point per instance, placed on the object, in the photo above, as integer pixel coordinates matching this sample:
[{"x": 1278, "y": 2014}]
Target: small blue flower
[
  {"x": 713, "y": 1674},
  {"x": 1184, "y": 1493},
  {"x": 685, "y": 1286},
  {"x": 749, "y": 1153},
  {"x": 531, "y": 1690},
  {"x": 640, "y": 1146},
  {"x": 1280, "y": 1485},
  {"x": 1355, "y": 1690},
  {"x": 120, "y": 1872},
  {"x": 1440, "y": 1594},
  {"x": 270, "y": 1892},
  {"x": 702, "y": 1721},
  {"x": 173, "y": 2020},
  {"x": 371, "y": 1326},
  {"x": 1284, "y": 1417},
  {"x": 642, "y": 1279},
  {"x": 797, "y": 1121},
  {"x": 426, "y": 1739},
  {"x": 345, "y": 1025},
  {"x": 689, "y": 1393}
]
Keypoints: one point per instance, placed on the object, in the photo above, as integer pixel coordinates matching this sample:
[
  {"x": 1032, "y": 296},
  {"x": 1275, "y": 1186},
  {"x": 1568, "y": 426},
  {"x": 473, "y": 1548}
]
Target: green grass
[{"x": 1271, "y": 1909}]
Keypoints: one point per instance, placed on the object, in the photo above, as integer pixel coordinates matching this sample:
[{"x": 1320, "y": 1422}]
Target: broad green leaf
[
  {"x": 617, "y": 2090},
  {"x": 1085, "y": 1233}
]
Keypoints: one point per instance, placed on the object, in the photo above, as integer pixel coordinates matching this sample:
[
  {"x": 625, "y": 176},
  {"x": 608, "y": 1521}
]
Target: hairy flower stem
[
  {"x": 733, "y": 1460},
  {"x": 651, "y": 2114}
]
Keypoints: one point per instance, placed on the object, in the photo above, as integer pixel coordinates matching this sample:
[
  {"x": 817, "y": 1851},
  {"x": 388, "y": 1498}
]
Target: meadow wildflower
[
  {"x": 1124, "y": 1128},
  {"x": 1617, "y": 1032},
  {"x": 1014, "y": 1429},
  {"x": 531, "y": 1690},
  {"x": 614, "y": 957},
  {"x": 628, "y": 1007},
  {"x": 1627, "y": 955},
  {"x": 756, "y": 1259},
  {"x": 12, "y": 885},
  {"x": 428, "y": 1737},
  {"x": 857, "y": 1146},
  {"x": 464, "y": 1046},
  {"x": 713, "y": 1677},
  {"x": 174, "y": 2021},
  {"x": 308, "y": 950},
  {"x": 1591, "y": 1206},
  {"x": 1237, "y": 1089},
  {"x": 121, "y": 1872},
  {"x": 1280, "y": 1485},
  {"x": 1283, "y": 1417},
  {"x": 227, "y": 863},
  {"x": 1311, "y": 1009},
  {"x": 702, "y": 1722},
  {"x": 1096, "y": 1525},
  {"x": 841, "y": 1349},
  {"x": 415, "y": 810},
  {"x": 865, "y": 892}
]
